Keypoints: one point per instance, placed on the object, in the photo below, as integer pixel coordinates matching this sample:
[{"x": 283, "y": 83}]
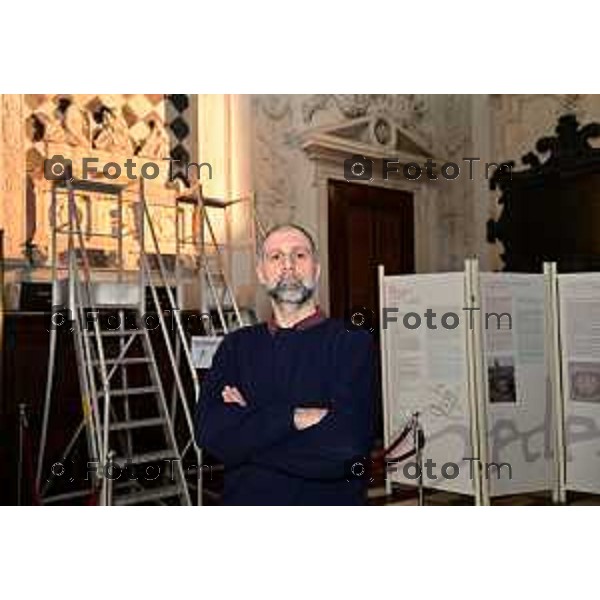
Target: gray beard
[{"x": 291, "y": 293}]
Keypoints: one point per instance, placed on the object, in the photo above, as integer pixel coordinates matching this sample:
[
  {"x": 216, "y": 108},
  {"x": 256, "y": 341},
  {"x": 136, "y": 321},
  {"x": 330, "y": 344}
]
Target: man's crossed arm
[{"x": 303, "y": 417}]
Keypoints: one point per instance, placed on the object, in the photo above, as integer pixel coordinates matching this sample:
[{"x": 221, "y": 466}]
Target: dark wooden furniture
[{"x": 551, "y": 209}]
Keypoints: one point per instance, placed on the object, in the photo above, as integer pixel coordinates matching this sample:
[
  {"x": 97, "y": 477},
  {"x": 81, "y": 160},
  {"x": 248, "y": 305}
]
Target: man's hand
[
  {"x": 231, "y": 395},
  {"x": 307, "y": 417}
]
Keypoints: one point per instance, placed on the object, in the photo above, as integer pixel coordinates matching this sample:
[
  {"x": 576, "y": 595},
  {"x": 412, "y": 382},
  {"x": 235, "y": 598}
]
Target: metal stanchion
[
  {"x": 23, "y": 424},
  {"x": 109, "y": 475},
  {"x": 417, "y": 439}
]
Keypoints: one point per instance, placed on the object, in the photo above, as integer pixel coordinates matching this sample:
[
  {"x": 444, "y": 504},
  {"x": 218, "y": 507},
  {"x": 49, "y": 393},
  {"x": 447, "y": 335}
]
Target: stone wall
[
  {"x": 289, "y": 184},
  {"x": 266, "y": 151}
]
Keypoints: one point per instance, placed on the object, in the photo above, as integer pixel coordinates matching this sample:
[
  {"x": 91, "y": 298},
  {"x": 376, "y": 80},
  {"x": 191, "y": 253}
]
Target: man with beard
[{"x": 286, "y": 405}]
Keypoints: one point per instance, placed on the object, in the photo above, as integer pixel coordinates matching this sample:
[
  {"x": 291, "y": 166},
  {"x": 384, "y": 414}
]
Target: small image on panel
[
  {"x": 584, "y": 379},
  {"x": 501, "y": 380}
]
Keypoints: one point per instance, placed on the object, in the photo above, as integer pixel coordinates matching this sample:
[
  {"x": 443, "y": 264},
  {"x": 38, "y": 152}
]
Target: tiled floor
[{"x": 408, "y": 496}]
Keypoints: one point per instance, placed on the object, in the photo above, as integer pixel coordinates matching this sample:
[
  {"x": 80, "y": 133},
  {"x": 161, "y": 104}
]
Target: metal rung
[
  {"x": 124, "y": 361},
  {"x": 133, "y": 391},
  {"x": 124, "y": 333},
  {"x": 148, "y": 457},
  {"x": 137, "y": 423},
  {"x": 68, "y": 496},
  {"x": 210, "y": 494},
  {"x": 89, "y": 234},
  {"x": 152, "y": 495},
  {"x": 113, "y": 308}
]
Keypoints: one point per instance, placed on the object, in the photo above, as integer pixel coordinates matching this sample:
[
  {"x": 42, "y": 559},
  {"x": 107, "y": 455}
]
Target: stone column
[
  {"x": 12, "y": 174},
  {"x": 482, "y": 198},
  {"x": 224, "y": 141}
]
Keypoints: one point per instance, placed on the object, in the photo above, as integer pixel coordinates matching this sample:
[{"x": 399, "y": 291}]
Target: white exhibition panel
[
  {"x": 518, "y": 403},
  {"x": 579, "y": 295},
  {"x": 425, "y": 370}
]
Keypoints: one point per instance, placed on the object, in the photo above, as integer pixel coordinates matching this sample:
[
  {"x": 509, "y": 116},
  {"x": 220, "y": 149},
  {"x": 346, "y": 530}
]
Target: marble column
[
  {"x": 12, "y": 174},
  {"x": 482, "y": 200},
  {"x": 224, "y": 141}
]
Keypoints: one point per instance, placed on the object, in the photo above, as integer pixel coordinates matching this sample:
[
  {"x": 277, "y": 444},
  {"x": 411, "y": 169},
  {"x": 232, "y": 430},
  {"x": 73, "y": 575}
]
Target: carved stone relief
[{"x": 109, "y": 127}]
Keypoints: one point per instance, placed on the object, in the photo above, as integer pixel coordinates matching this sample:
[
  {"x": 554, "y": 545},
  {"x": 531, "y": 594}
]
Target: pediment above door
[{"x": 374, "y": 136}]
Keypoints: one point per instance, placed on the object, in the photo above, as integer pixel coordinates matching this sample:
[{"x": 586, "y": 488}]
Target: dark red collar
[{"x": 316, "y": 317}]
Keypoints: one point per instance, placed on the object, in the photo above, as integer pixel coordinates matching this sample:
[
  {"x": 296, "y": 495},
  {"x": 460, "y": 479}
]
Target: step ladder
[
  {"x": 213, "y": 262},
  {"x": 129, "y": 425},
  {"x": 120, "y": 369},
  {"x": 212, "y": 257}
]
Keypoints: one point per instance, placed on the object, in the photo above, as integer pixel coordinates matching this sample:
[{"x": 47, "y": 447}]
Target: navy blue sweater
[{"x": 267, "y": 460}]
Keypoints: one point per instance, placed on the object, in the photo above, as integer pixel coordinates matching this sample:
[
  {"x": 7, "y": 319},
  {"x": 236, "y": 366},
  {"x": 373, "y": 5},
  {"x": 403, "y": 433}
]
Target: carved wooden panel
[{"x": 551, "y": 209}]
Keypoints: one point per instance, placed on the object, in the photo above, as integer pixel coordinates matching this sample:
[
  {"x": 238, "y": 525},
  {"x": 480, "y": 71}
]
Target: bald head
[{"x": 288, "y": 228}]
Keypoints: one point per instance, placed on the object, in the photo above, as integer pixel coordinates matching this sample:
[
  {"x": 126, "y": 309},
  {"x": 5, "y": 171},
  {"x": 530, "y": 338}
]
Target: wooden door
[{"x": 368, "y": 226}]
